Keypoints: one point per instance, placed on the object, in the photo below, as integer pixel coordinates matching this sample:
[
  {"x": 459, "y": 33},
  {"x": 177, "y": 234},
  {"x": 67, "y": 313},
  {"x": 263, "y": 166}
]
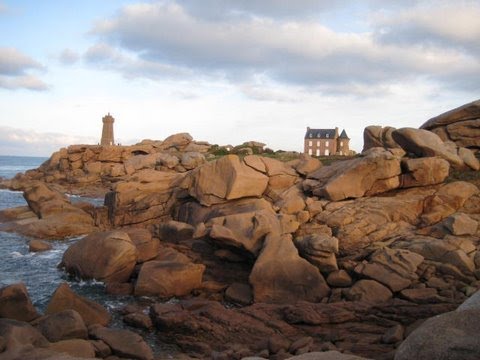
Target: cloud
[
  {"x": 214, "y": 9},
  {"x": 15, "y": 141},
  {"x": 68, "y": 57},
  {"x": 14, "y": 71},
  {"x": 453, "y": 25},
  {"x": 155, "y": 40},
  {"x": 131, "y": 66}
]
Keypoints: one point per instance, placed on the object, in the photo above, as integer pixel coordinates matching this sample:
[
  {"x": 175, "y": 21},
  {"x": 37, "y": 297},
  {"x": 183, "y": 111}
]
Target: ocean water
[{"x": 39, "y": 272}]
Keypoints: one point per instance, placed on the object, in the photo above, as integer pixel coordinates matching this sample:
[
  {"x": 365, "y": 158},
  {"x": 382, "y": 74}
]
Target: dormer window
[
  {"x": 310, "y": 135},
  {"x": 327, "y": 136},
  {"x": 318, "y": 135}
]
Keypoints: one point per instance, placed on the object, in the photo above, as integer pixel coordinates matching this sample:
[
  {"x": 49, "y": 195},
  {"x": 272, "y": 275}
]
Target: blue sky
[{"x": 229, "y": 71}]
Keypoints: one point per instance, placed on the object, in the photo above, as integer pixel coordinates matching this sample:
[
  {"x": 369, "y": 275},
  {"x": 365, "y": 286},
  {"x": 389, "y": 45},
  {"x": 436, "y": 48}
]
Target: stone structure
[
  {"x": 107, "y": 131},
  {"x": 325, "y": 142}
]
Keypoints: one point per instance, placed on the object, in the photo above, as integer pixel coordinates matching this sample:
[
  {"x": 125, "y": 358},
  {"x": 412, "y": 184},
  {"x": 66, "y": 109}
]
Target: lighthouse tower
[{"x": 107, "y": 131}]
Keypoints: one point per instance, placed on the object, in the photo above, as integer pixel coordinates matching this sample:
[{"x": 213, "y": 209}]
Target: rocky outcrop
[
  {"x": 424, "y": 143},
  {"x": 460, "y": 125},
  {"x": 168, "y": 278},
  {"x": 53, "y": 217},
  {"x": 376, "y": 172},
  {"x": 453, "y": 335},
  {"x": 280, "y": 275},
  {"x": 65, "y": 299},
  {"x": 93, "y": 169},
  {"x": 124, "y": 343},
  {"x": 105, "y": 256},
  {"x": 377, "y": 136},
  {"x": 147, "y": 197},
  {"x": 395, "y": 269},
  {"x": 15, "y": 303},
  {"x": 225, "y": 179},
  {"x": 319, "y": 250},
  {"x": 64, "y": 325}
]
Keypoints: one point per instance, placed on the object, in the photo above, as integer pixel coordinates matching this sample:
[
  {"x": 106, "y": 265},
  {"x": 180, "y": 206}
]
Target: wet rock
[
  {"x": 15, "y": 303},
  {"x": 280, "y": 275},
  {"x": 138, "y": 320},
  {"x": 64, "y": 299},
  {"x": 38, "y": 246},
  {"x": 123, "y": 343},
  {"x": 67, "y": 324},
  {"x": 106, "y": 256}
]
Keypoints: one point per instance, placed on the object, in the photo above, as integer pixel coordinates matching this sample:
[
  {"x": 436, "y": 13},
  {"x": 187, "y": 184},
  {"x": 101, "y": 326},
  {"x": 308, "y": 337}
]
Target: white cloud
[
  {"x": 155, "y": 40},
  {"x": 68, "y": 57},
  {"x": 14, "y": 71},
  {"x": 29, "y": 142},
  {"x": 452, "y": 24}
]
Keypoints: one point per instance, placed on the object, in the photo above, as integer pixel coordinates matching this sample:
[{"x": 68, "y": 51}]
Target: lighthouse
[{"x": 107, "y": 131}]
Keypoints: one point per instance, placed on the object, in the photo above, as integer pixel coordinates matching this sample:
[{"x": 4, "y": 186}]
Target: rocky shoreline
[{"x": 264, "y": 258}]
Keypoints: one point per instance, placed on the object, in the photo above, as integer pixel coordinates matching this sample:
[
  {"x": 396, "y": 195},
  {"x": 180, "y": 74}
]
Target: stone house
[{"x": 325, "y": 142}]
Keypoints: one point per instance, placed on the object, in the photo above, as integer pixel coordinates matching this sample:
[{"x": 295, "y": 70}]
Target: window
[
  {"x": 327, "y": 153},
  {"x": 310, "y": 143},
  {"x": 318, "y": 152},
  {"x": 318, "y": 143},
  {"x": 309, "y": 151},
  {"x": 327, "y": 136},
  {"x": 310, "y": 135},
  {"x": 341, "y": 143},
  {"x": 318, "y": 135},
  {"x": 326, "y": 143}
]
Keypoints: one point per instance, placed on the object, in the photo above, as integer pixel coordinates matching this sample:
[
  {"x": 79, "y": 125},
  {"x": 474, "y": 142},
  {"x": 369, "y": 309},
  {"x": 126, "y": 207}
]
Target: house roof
[
  {"x": 320, "y": 134},
  {"x": 344, "y": 135}
]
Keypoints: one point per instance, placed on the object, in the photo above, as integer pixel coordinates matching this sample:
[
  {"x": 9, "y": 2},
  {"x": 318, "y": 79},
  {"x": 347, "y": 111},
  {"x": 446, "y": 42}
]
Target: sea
[{"x": 39, "y": 272}]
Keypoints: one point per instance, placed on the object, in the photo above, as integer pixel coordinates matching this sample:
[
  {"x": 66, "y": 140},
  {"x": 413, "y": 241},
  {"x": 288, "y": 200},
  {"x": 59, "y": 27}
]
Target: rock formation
[{"x": 348, "y": 256}]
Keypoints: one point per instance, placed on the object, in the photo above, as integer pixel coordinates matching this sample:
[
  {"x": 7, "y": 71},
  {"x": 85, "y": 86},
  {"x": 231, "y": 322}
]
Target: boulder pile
[
  {"x": 72, "y": 327},
  {"x": 347, "y": 257}
]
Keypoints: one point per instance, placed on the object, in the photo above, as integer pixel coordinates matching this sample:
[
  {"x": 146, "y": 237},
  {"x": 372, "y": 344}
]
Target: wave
[{"x": 11, "y": 191}]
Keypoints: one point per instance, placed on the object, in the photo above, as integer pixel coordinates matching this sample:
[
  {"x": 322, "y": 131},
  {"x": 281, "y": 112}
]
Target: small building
[
  {"x": 107, "y": 130},
  {"x": 326, "y": 142}
]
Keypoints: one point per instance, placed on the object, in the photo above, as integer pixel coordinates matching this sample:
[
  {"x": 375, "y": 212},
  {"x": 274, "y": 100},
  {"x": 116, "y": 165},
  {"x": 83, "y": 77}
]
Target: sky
[{"x": 229, "y": 71}]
